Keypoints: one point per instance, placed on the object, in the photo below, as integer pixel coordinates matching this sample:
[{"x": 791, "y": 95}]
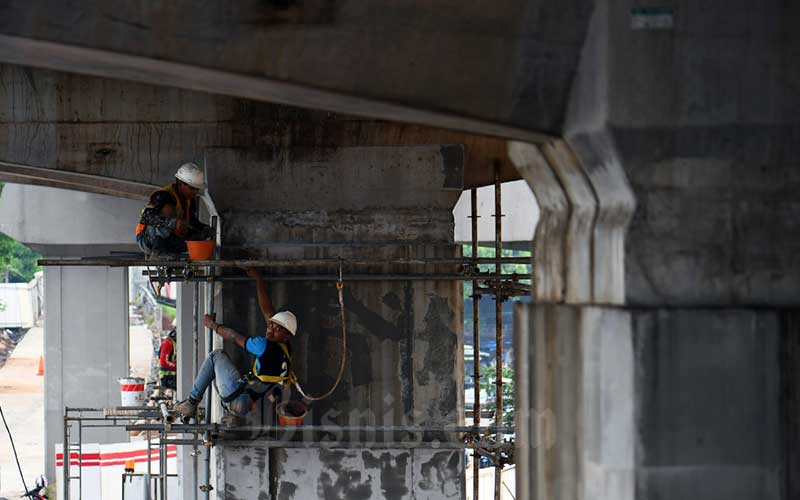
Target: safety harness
[
  {"x": 173, "y": 358},
  {"x": 183, "y": 212},
  {"x": 253, "y": 378}
]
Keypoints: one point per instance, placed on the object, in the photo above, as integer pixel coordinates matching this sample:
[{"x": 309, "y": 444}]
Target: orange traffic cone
[{"x": 40, "y": 371}]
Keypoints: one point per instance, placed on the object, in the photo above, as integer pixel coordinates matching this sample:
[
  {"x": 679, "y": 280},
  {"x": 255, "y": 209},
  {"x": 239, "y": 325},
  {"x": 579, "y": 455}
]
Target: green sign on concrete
[{"x": 652, "y": 18}]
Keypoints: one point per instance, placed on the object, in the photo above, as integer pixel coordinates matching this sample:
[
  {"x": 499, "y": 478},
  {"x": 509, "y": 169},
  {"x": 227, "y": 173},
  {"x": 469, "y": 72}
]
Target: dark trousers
[
  {"x": 169, "y": 382},
  {"x": 160, "y": 240}
]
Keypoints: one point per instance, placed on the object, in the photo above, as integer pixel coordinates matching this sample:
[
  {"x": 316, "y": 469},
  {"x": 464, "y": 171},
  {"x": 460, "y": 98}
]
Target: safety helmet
[
  {"x": 285, "y": 319},
  {"x": 192, "y": 175}
]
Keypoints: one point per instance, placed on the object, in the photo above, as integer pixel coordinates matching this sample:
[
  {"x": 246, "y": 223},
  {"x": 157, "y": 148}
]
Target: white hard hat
[
  {"x": 192, "y": 175},
  {"x": 285, "y": 319}
]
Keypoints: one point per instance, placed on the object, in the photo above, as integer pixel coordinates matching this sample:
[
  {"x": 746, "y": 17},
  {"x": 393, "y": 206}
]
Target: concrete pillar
[
  {"x": 405, "y": 339},
  {"x": 575, "y": 427},
  {"x": 86, "y": 348}
]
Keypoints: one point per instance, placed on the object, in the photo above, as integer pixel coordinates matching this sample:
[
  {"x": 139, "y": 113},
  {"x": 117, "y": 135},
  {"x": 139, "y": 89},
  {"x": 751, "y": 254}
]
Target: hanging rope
[
  {"x": 14, "y": 448},
  {"x": 340, "y": 289}
]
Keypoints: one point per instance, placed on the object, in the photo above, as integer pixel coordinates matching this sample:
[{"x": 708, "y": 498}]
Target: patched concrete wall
[
  {"x": 709, "y": 412},
  {"x": 337, "y": 473},
  {"x": 405, "y": 341}
]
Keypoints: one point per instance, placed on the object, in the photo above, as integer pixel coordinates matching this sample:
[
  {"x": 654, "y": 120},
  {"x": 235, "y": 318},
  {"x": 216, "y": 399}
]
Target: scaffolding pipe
[
  {"x": 476, "y": 345},
  {"x": 498, "y": 253},
  {"x": 195, "y": 368},
  {"x": 65, "y": 459},
  {"x": 188, "y": 428},
  {"x": 209, "y": 347},
  {"x": 238, "y": 263},
  {"x": 162, "y": 465},
  {"x": 156, "y": 278},
  {"x": 374, "y": 445}
]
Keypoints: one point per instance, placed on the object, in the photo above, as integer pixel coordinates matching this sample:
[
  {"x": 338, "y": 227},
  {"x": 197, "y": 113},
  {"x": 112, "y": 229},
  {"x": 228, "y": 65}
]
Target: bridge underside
[{"x": 663, "y": 161}]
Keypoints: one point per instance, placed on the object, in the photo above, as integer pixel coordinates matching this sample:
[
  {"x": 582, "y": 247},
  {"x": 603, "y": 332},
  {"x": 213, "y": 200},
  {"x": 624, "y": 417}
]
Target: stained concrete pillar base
[{"x": 575, "y": 372}]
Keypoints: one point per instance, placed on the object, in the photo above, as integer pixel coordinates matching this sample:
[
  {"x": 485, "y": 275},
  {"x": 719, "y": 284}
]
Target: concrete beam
[
  {"x": 549, "y": 266},
  {"x": 76, "y": 181},
  {"x": 615, "y": 207},
  {"x": 109, "y": 64},
  {"x": 578, "y": 243}
]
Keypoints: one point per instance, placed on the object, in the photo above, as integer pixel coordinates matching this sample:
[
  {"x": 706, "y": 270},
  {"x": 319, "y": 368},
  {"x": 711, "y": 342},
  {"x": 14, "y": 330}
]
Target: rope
[
  {"x": 339, "y": 288},
  {"x": 27, "y": 493}
]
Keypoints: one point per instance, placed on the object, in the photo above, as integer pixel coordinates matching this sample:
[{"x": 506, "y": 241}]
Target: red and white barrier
[{"x": 101, "y": 467}]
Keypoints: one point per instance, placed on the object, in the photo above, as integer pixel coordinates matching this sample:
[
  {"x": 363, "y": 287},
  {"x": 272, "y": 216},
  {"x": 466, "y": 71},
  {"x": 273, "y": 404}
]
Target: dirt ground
[{"x": 22, "y": 399}]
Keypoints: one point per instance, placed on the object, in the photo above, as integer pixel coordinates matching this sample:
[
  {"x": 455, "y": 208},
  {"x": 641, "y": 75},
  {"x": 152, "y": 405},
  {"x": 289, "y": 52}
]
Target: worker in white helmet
[
  {"x": 170, "y": 217},
  {"x": 271, "y": 368}
]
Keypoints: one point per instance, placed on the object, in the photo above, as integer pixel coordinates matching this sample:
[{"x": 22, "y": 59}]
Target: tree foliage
[
  {"x": 17, "y": 262},
  {"x": 488, "y": 377}
]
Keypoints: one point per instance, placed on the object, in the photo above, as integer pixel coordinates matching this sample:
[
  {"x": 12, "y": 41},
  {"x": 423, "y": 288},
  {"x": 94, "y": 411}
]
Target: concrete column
[
  {"x": 86, "y": 348},
  {"x": 575, "y": 397},
  {"x": 187, "y": 464},
  {"x": 405, "y": 340}
]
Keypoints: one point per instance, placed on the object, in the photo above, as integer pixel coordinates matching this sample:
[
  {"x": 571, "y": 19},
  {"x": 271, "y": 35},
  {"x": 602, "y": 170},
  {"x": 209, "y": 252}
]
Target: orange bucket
[
  {"x": 291, "y": 413},
  {"x": 200, "y": 250}
]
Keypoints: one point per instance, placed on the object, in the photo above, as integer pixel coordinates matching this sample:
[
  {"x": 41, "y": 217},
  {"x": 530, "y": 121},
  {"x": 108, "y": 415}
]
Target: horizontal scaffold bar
[
  {"x": 112, "y": 261},
  {"x": 157, "y": 278}
]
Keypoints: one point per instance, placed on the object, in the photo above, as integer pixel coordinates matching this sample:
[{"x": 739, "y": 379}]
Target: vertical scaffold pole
[
  {"x": 65, "y": 454},
  {"x": 476, "y": 346},
  {"x": 196, "y": 329},
  {"x": 498, "y": 249},
  {"x": 162, "y": 465},
  {"x": 209, "y": 348}
]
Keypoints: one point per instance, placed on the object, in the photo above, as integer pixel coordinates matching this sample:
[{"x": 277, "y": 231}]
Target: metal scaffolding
[
  {"x": 484, "y": 441},
  {"x": 160, "y": 424}
]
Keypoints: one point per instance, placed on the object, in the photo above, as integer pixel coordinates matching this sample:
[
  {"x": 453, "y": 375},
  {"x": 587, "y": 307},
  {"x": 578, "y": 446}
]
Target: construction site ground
[{"x": 22, "y": 400}]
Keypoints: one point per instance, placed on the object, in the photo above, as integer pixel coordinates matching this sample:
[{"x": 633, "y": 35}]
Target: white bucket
[{"x": 132, "y": 391}]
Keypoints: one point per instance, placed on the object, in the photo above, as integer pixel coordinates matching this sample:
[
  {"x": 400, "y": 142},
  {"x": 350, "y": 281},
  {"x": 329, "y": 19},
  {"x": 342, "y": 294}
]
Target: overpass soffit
[{"x": 356, "y": 101}]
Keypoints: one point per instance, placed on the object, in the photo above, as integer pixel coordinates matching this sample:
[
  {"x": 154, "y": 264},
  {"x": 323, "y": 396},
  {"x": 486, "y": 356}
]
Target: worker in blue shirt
[{"x": 272, "y": 365}]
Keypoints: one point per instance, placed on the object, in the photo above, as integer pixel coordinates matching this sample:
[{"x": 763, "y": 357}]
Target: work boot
[{"x": 186, "y": 408}]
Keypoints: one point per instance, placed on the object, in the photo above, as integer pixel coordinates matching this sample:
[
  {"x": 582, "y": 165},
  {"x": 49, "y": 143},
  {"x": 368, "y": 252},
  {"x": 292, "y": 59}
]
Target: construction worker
[
  {"x": 167, "y": 360},
  {"x": 170, "y": 217},
  {"x": 271, "y": 368}
]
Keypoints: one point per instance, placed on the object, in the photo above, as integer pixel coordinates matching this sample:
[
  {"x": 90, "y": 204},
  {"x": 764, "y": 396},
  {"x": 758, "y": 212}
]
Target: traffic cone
[{"x": 40, "y": 371}]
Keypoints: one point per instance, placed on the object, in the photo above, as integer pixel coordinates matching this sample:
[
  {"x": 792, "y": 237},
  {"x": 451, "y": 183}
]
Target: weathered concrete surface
[
  {"x": 512, "y": 67},
  {"x": 549, "y": 266},
  {"x": 125, "y": 131},
  {"x": 706, "y": 130},
  {"x": 86, "y": 348},
  {"x": 577, "y": 439},
  {"x": 405, "y": 340},
  {"x": 340, "y": 473},
  {"x": 585, "y": 205},
  {"x": 709, "y": 386},
  {"x": 50, "y": 218}
]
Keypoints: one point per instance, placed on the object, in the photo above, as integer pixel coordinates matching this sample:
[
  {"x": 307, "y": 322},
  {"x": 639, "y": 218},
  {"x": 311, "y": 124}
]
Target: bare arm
[
  {"x": 264, "y": 300},
  {"x": 224, "y": 331}
]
